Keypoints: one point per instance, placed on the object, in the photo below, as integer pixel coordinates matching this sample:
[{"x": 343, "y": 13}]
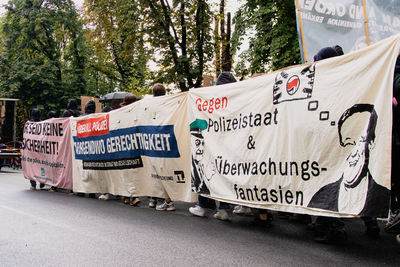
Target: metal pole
[
  {"x": 301, "y": 31},
  {"x": 366, "y": 22}
]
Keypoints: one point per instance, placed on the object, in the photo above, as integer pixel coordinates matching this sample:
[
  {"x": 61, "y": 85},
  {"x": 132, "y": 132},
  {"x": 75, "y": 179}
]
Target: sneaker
[
  {"x": 393, "y": 221},
  {"x": 152, "y": 203},
  {"x": 41, "y": 186},
  {"x": 197, "y": 211},
  {"x": 246, "y": 211},
  {"x": 135, "y": 201},
  {"x": 53, "y": 189},
  {"x": 104, "y": 197},
  {"x": 221, "y": 215},
  {"x": 168, "y": 206},
  {"x": 92, "y": 195},
  {"x": 32, "y": 188},
  {"x": 127, "y": 200}
]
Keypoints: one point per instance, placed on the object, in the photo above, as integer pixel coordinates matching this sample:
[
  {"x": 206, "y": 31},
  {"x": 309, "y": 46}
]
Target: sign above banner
[{"x": 351, "y": 24}]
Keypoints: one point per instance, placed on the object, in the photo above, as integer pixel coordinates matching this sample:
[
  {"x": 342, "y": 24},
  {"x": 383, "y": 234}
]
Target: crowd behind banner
[{"x": 311, "y": 139}]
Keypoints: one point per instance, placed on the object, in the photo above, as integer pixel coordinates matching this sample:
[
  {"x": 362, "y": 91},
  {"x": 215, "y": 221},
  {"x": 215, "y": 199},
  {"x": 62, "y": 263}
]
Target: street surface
[{"x": 39, "y": 228}]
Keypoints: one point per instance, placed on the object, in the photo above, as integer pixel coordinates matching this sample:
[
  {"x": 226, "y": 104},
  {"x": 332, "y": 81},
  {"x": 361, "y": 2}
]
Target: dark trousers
[
  {"x": 326, "y": 224},
  {"x": 395, "y": 183},
  {"x": 210, "y": 203}
]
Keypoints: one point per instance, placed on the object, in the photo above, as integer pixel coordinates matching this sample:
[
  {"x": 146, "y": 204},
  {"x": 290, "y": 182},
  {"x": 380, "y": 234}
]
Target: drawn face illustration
[
  {"x": 355, "y": 141},
  {"x": 197, "y": 145}
]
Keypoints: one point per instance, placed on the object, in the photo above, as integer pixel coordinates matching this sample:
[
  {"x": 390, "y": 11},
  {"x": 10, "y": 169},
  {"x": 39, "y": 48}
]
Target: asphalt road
[{"x": 40, "y": 228}]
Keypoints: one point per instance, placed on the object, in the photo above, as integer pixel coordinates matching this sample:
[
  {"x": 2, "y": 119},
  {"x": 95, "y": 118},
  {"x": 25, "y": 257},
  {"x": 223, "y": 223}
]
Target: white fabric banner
[
  {"x": 46, "y": 152},
  {"x": 138, "y": 150},
  {"x": 314, "y": 138}
]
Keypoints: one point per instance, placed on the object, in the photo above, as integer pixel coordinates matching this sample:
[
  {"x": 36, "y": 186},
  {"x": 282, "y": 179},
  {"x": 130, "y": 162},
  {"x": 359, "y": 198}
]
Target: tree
[
  {"x": 274, "y": 44},
  {"x": 42, "y": 61},
  {"x": 116, "y": 31},
  {"x": 181, "y": 34},
  {"x": 222, "y": 41}
]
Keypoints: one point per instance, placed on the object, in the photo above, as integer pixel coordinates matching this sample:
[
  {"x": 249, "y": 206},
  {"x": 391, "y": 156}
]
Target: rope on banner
[
  {"x": 301, "y": 31},
  {"x": 366, "y": 22}
]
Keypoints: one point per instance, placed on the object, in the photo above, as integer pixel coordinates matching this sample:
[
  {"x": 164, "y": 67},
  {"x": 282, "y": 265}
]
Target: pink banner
[{"x": 46, "y": 154}]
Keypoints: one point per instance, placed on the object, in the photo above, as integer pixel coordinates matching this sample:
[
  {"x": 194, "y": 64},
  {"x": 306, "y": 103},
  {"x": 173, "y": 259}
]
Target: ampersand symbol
[{"x": 251, "y": 143}]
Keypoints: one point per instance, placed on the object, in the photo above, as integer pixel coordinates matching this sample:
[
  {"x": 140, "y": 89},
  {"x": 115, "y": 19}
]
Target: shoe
[
  {"x": 41, "y": 186},
  {"x": 32, "y": 188},
  {"x": 53, "y": 189},
  {"x": 152, "y": 203},
  {"x": 332, "y": 237},
  {"x": 246, "y": 211},
  {"x": 135, "y": 201},
  {"x": 221, "y": 215},
  {"x": 394, "y": 219},
  {"x": 168, "y": 206},
  {"x": 104, "y": 197},
  {"x": 372, "y": 229},
  {"x": 92, "y": 195},
  {"x": 197, "y": 211},
  {"x": 127, "y": 200}
]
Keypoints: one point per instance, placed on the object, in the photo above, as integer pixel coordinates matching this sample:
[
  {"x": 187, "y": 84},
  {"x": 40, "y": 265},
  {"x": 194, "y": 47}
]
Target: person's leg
[
  {"x": 202, "y": 202},
  {"x": 372, "y": 227},
  {"x": 329, "y": 230},
  {"x": 395, "y": 181},
  {"x": 224, "y": 206},
  {"x": 395, "y": 186}
]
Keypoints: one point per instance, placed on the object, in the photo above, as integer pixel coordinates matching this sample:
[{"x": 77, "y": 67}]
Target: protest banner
[
  {"x": 138, "y": 150},
  {"x": 314, "y": 138},
  {"x": 352, "y": 24},
  {"x": 46, "y": 152}
]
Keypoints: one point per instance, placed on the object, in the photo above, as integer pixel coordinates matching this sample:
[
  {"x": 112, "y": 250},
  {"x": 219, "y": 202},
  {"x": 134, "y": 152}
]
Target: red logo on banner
[
  {"x": 93, "y": 127},
  {"x": 293, "y": 84}
]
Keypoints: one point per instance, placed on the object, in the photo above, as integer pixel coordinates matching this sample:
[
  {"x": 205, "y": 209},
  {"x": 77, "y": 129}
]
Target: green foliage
[
  {"x": 273, "y": 43},
  {"x": 117, "y": 33},
  {"x": 42, "y": 59},
  {"x": 181, "y": 35}
]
